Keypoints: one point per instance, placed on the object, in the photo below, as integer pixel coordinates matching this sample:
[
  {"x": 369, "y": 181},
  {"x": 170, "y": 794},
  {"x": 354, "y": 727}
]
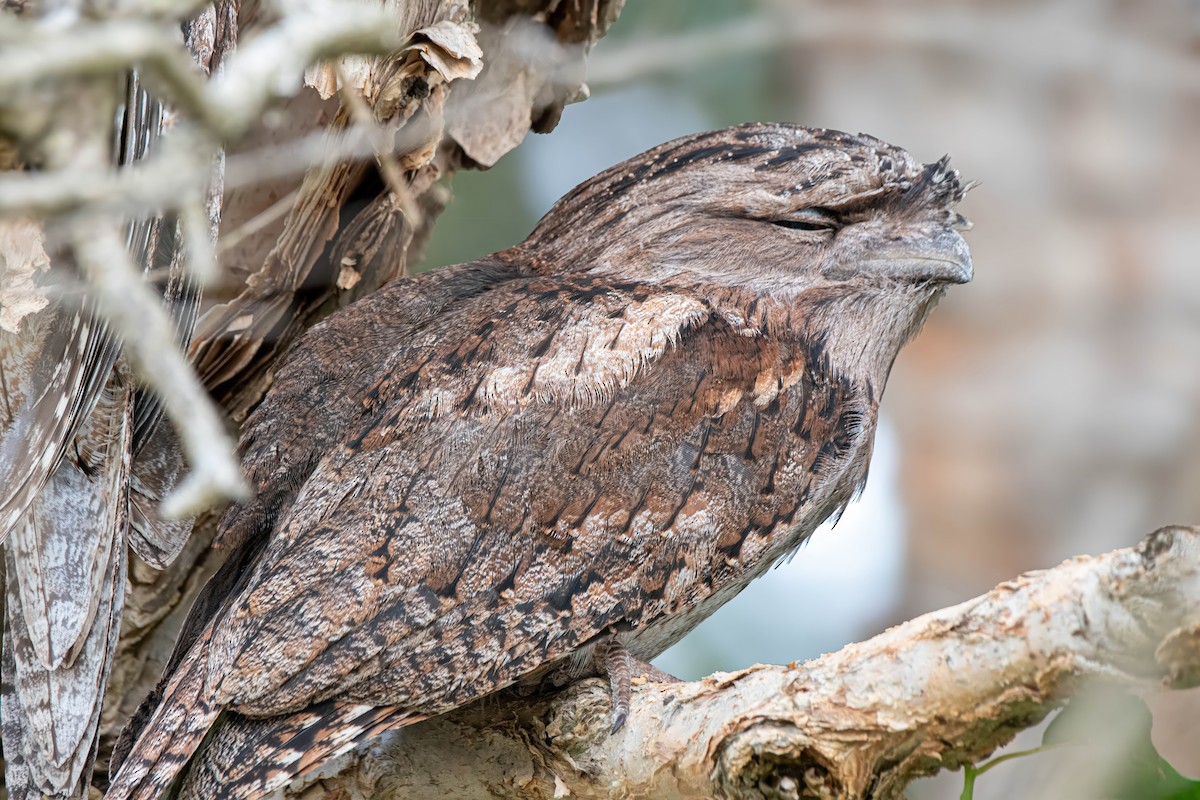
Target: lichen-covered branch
[{"x": 933, "y": 693}]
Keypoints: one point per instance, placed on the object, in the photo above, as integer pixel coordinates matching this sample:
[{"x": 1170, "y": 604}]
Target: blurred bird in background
[{"x": 84, "y": 462}]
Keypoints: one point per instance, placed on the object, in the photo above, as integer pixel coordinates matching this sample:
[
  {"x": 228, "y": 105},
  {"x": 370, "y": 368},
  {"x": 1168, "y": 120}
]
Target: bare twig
[
  {"x": 58, "y": 193},
  {"x": 270, "y": 66},
  {"x": 130, "y": 306},
  {"x": 93, "y": 198}
]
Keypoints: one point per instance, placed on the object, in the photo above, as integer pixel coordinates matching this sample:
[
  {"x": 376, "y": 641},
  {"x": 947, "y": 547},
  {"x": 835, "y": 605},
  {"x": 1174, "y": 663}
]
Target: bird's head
[
  {"x": 784, "y": 204},
  {"x": 800, "y": 216}
]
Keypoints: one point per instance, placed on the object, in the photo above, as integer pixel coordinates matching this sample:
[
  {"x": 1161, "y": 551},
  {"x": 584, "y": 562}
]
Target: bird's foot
[
  {"x": 610, "y": 659},
  {"x": 618, "y": 664}
]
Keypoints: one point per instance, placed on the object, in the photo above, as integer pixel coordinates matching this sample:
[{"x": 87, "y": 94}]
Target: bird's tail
[
  {"x": 173, "y": 733},
  {"x": 49, "y": 715},
  {"x": 249, "y": 758},
  {"x": 64, "y": 590},
  {"x": 243, "y": 757}
]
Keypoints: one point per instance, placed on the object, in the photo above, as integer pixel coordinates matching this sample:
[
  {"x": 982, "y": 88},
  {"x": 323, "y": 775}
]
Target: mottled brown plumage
[
  {"x": 83, "y": 464},
  {"x": 597, "y": 437}
]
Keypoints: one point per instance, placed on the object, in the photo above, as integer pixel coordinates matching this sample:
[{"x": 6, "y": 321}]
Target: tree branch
[
  {"x": 136, "y": 315},
  {"x": 941, "y": 690}
]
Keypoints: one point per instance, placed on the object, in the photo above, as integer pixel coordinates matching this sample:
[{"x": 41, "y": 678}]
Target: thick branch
[{"x": 943, "y": 689}]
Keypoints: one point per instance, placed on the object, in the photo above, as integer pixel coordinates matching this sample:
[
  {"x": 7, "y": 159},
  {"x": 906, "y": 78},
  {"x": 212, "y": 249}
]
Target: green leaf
[
  {"x": 1116, "y": 727},
  {"x": 1098, "y": 717}
]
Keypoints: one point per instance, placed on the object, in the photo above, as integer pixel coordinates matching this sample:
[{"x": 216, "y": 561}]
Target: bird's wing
[
  {"x": 320, "y": 392},
  {"x": 325, "y": 385},
  {"x": 463, "y": 539},
  {"x": 71, "y": 427},
  {"x": 52, "y": 373},
  {"x": 481, "y": 453},
  {"x": 531, "y": 414}
]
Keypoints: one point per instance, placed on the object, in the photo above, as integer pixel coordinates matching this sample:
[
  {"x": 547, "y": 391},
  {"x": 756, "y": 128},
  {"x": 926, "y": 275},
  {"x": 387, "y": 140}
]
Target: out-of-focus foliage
[
  {"x": 1116, "y": 729},
  {"x": 1111, "y": 735}
]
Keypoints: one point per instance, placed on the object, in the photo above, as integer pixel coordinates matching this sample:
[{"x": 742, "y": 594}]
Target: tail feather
[
  {"x": 51, "y": 716},
  {"x": 66, "y": 586},
  {"x": 65, "y": 363},
  {"x": 63, "y": 550},
  {"x": 250, "y": 758},
  {"x": 174, "y": 732}
]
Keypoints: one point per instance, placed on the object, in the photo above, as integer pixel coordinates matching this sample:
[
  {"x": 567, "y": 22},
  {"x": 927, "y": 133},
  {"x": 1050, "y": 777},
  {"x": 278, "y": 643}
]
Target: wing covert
[{"x": 436, "y": 507}]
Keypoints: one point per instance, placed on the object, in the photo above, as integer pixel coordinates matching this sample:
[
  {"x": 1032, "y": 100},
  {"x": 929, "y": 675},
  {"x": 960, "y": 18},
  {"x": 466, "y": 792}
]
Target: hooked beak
[{"x": 943, "y": 258}]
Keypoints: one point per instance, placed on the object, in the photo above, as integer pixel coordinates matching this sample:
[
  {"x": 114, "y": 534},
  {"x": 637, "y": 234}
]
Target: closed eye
[
  {"x": 809, "y": 219},
  {"x": 801, "y": 225}
]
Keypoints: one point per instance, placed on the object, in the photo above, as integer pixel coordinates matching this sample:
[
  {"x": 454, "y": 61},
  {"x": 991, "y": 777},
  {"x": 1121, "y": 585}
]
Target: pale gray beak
[{"x": 944, "y": 258}]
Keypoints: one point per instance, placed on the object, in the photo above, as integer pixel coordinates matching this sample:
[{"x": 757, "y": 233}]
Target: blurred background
[{"x": 1049, "y": 409}]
